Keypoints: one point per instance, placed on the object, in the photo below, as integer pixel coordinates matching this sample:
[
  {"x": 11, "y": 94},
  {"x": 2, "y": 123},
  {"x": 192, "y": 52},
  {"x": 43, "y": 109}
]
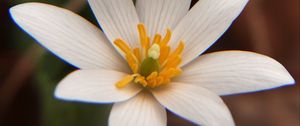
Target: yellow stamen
[
  {"x": 152, "y": 75},
  {"x": 179, "y": 49},
  {"x": 164, "y": 53},
  {"x": 157, "y": 39},
  {"x": 143, "y": 34},
  {"x": 169, "y": 73},
  {"x": 144, "y": 40},
  {"x": 141, "y": 80},
  {"x": 147, "y": 46},
  {"x": 137, "y": 53},
  {"x": 132, "y": 62},
  {"x": 142, "y": 30},
  {"x": 125, "y": 81},
  {"x": 159, "y": 80},
  {"x": 122, "y": 45},
  {"x": 153, "y": 64},
  {"x": 175, "y": 55},
  {"x": 175, "y": 72},
  {"x": 173, "y": 62},
  {"x": 152, "y": 83},
  {"x": 166, "y": 38}
]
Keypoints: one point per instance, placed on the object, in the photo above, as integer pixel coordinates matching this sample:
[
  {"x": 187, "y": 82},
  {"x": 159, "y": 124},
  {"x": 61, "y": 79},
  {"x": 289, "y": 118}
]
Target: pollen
[{"x": 153, "y": 64}]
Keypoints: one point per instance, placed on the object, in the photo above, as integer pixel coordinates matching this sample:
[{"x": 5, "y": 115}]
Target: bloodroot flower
[{"x": 148, "y": 60}]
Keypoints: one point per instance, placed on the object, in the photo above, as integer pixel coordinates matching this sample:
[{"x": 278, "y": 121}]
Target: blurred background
[{"x": 29, "y": 74}]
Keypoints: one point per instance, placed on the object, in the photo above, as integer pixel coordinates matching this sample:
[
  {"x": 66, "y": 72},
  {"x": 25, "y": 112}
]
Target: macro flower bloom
[{"x": 147, "y": 58}]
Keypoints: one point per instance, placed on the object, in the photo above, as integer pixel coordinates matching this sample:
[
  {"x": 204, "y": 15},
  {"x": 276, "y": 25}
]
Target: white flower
[{"x": 143, "y": 88}]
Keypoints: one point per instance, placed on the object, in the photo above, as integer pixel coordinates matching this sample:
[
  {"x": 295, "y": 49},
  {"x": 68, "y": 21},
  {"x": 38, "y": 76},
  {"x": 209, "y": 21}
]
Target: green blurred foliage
[
  {"x": 63, "y": 113},
  {"x": 49, "y": 72}
]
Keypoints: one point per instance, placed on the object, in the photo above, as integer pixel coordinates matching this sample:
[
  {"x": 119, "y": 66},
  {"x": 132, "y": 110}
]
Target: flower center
[{"x": 153, "y": 64}]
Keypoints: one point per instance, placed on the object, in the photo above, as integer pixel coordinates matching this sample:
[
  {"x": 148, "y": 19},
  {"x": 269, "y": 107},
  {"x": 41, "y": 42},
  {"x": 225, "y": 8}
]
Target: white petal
[
  {"x": 204, "y": 24},
  {"x": 141, "y": 110},
  {"x": 67, "y": 35},
  {"x": 158, "y": 15},
  {"x": 96, "y": 86},
  {"x": 230, "y": 72},
  {"x": 117, "y": 18},
  {"x": 194, "y": 103}
]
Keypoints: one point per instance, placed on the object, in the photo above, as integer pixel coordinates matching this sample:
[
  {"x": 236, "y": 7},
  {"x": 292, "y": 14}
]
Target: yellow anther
[
  {"x": 153, "y": 75},
  {"x": 157, "y": 39},
  {"x": 144, "y": 39},
  {"x": 132, "y": 62},
  {"x": 164, "y": 53},
  {"x": 152, "y": 83},
  {"x": 170, "y": 73},
  {"x": 125, "y": 81},
  {"x": 142, "y": 33},
  {"x": 154, "y": 51},
  {"x": 141, "y": 80},
  {"x": 122, "y": 45},
  {"x": 179, "y": 48},
  {"x": 142, "y": 30},
  {"x": 175, "y": 72},
  {"x": 175, "y": 55},
  {"x": 166, "y": 38},
  {"x": 147, "y": 46},
  {"x": 137, "y": 53},
  {"x": 172, "y": 62}
]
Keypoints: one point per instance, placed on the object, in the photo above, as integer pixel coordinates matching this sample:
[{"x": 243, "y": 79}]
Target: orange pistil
[{"x": 153, "y": 64}]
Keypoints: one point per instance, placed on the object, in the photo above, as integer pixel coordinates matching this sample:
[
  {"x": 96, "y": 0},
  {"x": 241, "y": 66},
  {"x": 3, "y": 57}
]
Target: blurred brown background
[{"x": 269, "y": 27}]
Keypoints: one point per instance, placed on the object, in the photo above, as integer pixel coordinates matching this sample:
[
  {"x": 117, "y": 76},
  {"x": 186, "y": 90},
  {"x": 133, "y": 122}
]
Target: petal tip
[
  {"x": 18, "y": 7},
  {"x": 287, "y": 78},
  {"x": 58, "y": 93},
  {"x": 290, "y": 80},
  {"x": 13, "y": 12}
]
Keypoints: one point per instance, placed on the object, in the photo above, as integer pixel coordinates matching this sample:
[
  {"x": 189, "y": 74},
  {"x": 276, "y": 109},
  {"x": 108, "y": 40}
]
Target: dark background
[{"x": 28, "y": 74}]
